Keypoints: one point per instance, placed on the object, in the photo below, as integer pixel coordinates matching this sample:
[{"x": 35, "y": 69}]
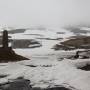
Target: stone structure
[
  {"x": 6, "y": 52},
  {"x": 17, "y": 84},
  {"x": 5, "y": 39}
]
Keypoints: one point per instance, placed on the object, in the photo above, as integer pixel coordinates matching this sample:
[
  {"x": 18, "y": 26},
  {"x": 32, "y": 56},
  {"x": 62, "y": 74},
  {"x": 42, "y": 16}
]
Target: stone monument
[
  {"x": 5, "y": 39},
  {"x": 6, "y": 52}
]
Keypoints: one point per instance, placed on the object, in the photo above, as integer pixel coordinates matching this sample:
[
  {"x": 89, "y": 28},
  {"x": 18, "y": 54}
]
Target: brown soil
[{"x": 74, "y": 43}]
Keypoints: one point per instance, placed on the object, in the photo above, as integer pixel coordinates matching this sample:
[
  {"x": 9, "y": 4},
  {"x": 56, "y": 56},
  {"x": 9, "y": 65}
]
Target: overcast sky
[{"x": 44, "y": 12}]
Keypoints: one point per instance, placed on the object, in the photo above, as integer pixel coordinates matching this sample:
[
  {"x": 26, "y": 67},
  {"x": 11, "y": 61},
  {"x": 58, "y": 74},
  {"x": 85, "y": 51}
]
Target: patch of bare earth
[{"x": 75, "y": 42}]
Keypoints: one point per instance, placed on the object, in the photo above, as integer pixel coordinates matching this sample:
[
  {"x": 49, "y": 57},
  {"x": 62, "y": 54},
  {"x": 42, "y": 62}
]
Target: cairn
[{"x": 6, "y": 52}]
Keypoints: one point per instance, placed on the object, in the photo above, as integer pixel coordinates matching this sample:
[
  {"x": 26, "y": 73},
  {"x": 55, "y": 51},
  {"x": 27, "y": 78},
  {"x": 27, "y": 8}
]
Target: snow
[
  {"x": 59, "y": 73},
  {"x": 50, "y": 69}
]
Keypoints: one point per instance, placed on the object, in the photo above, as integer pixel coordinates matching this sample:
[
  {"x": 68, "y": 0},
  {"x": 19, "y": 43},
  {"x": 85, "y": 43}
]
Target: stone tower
[
  {"x": 5, "y": 39},
  {"x": 6, "y": 53}
]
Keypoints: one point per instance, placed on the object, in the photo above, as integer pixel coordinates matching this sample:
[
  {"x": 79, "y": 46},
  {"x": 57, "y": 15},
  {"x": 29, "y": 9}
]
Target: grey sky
[{"x": 44, "y": 12}]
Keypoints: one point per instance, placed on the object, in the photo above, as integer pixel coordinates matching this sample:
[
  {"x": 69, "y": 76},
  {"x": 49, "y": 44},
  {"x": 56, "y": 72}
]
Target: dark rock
[
  {"x": 17, "y": 84},
  {"x": 58, "y": 88},
  {"x": 7, "y": 55},
  {"x": 82, "y": 42},
  {"x": 3, "y": 76},
  {"x": 77, "y": 55},
  {"x": 85, "y": 68},
  {"x": 62, "y": 47},
  {"x": 25, "y": 43},
  {"x": 31, "y": 65},
  {"x": 55, "y": 88},
  {"x": 85, "y": 54}
]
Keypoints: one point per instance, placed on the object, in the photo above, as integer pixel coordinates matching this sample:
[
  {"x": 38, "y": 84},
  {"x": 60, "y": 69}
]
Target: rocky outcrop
[
  {"x": 17, "y": 84},
  {"x": 74, "y": 43},
  {"x": 25, "y": 43},
  {"x": 85, "y": 54}
]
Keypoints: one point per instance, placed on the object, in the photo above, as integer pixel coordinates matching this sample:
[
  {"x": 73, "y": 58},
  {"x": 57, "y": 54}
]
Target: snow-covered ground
[{"x": 46, "y": 68}]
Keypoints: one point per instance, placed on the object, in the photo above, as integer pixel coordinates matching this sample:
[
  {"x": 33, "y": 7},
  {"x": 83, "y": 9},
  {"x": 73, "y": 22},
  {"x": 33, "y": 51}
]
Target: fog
[{"x": 44, "y": 12}]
